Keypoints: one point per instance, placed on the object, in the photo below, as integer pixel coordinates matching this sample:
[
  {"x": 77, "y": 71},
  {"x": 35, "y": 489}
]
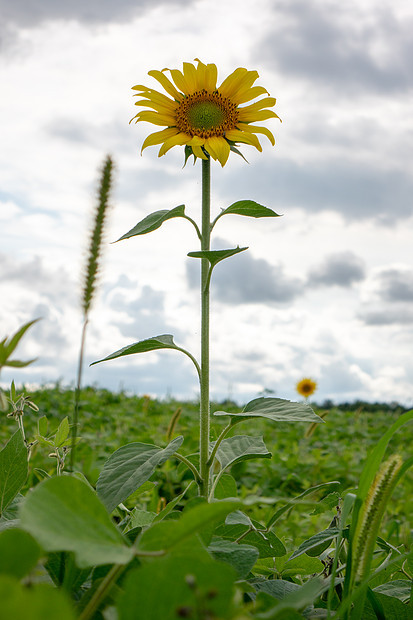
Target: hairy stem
[{"x": 204, "y": 379}]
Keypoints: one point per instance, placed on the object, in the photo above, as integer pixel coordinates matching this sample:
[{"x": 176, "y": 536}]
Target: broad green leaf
[
  {"x": 167, "y": 534},
  {"x": 62, "y": 432},
  {"x": 215, "y": 256},
  {"x": 171, "y": 587},
  {"x": 267, "y": 543},
  {"x": 19, "y": 553},
  {"x": 226, "y": 487},
  {"x": 39, "y": 602},
  {"x": 399, "y": 588},
  {"x": 241, "y": 557},
  {"x": 278, "y": 588},
  {"x": 391, "y": 608},
  {"x": 128, "y": 468},
  {"x": 275, "y": 409},
  {"x": 249, "y": 208},
  {"x": 165, "y": 341},
  {"x": 19, "y": 363},
  {"x": 304, "y": 565},
  {"x": 153, "y": 221},
  {"x": 64, "y": 514},
  {"x": 327, "y": 503},
  {"x": 241, "y": 448},
  {"x": 141, "y": 518},
  {"x": 317, "y": 543},
  {"x": 296, "y": 600},
  {"x": 13, "y": 469}
]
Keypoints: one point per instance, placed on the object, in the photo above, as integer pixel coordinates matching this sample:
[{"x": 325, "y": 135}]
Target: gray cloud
[
  {"x": 398, "y": 315},
  {"x": 244, "y": 279},
  {"x": 341, "y": 269},
  {"x": 396, "y": 285},
  {"x": 35, "y": 277},
  {"x": 343, "y": 47},
  {"x": 335, "y": 185},
  {"x": 28, "y": 13},
  {"x": 146, "y": 315}
]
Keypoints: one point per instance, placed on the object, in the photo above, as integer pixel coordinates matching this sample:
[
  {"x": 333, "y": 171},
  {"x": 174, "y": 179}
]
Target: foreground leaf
[
  {"x": 153, "y": 221},
  {"x": 64, "y": 514},
  {"x": 128, "y": 468},
  {"x": 175, "y": 586},
  {"x": 19, "y": 553},
  {"x": 275, "y": 409},
  {"x": 39, "y": 602},
  {"x": 241, "y": 557},
  {"x": 13, "y": 469}
]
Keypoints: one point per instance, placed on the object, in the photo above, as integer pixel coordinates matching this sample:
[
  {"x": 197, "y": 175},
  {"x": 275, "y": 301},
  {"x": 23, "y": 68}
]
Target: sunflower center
[{"x": 205, "y": 114}]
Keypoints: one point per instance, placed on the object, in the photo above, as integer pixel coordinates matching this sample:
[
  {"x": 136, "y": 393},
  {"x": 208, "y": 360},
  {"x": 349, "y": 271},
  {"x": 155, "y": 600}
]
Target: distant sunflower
[
  {"x": 306, "y": 387},
  {"x": 206, "y": 119}
]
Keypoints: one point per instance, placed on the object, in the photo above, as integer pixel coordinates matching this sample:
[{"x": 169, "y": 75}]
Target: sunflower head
[
  {"x": 306, "y": 387},
  {"x": 207, "y": 119}
]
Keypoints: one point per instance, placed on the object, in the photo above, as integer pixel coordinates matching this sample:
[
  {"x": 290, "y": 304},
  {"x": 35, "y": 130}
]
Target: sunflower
[
  {"x": 306, "y": 387},
  {"x": 206, "y": 119}
]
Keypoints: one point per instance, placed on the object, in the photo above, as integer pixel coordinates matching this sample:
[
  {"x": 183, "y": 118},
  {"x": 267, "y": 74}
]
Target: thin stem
[
  {"x": 223, "y": 433},
  {"x": 77, "y": 391},
  {"x": 190, "y": 466},
  {"x": 204, "y": 383},
  {"x": 198, "y": 232},
  {"x": 101, "y": 591}
]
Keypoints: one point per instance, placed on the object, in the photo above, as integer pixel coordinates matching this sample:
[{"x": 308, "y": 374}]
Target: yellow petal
[
  {"x": 190, "y": 75},
  {"x": 155, "y": 118},
  {"x": 248, "y": 94},
  {"x": 252, "y": 117},
  {"x": 218, "y": 148},
  {"x": 241, "y": 136},
  {"x": 198, "y": 152},
  {"x": 153, "y": 95},
  {"x": 268, "y": 102},
  {"x": 159, "y": 107},
  {"x": 178, "y": 140},
  {"x": 159, "y": 136},
  {"x": 232, "y": 83},
  {"x": 166, "y": 83},
  {"x": 180, "y": 81},
  {"x": 197, "y": 141},
  {"x": 254, "y": 129},
  {"x": 206, "y": 76}
]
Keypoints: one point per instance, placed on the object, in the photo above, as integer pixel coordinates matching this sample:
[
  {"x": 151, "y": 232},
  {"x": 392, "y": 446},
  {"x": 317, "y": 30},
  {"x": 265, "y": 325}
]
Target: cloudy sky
[{"x": 325, "y": 291}]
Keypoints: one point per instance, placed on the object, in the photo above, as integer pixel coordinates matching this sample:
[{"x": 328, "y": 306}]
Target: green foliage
[{"x": 13, "y": 469}]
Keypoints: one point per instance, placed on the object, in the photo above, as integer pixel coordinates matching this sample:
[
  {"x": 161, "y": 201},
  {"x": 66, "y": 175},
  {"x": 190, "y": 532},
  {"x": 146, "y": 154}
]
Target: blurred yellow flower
[
  {"x": 206, "y": 119},
  {"x": 306, "y": 387}
]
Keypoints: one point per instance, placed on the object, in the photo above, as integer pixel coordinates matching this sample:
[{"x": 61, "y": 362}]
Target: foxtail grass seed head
[
  {"x": 208, "y": 120},
  {"x": 371, "y": 515},
  {"x": 95, "y": 246}
]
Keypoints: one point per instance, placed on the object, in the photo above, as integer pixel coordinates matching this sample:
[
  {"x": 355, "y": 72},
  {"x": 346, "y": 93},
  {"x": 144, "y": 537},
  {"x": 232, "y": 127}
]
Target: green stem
[
  {"x": 190, "y": 466},
  {"x": 101, "y": 591},
  {"x": 204, "y": 383},
  {"x": 77, "y": 391},
  {"x": 223, "y": 433}
]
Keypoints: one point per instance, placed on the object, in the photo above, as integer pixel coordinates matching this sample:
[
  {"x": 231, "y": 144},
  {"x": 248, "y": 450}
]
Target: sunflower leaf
[
  {"x": 275, "y": 409},
  {"x": 153, "y": 221},
  {"x": 215, "y": 256},
  {"x": 165, "y": 341},
  {"x": 249, "y": 208}
]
